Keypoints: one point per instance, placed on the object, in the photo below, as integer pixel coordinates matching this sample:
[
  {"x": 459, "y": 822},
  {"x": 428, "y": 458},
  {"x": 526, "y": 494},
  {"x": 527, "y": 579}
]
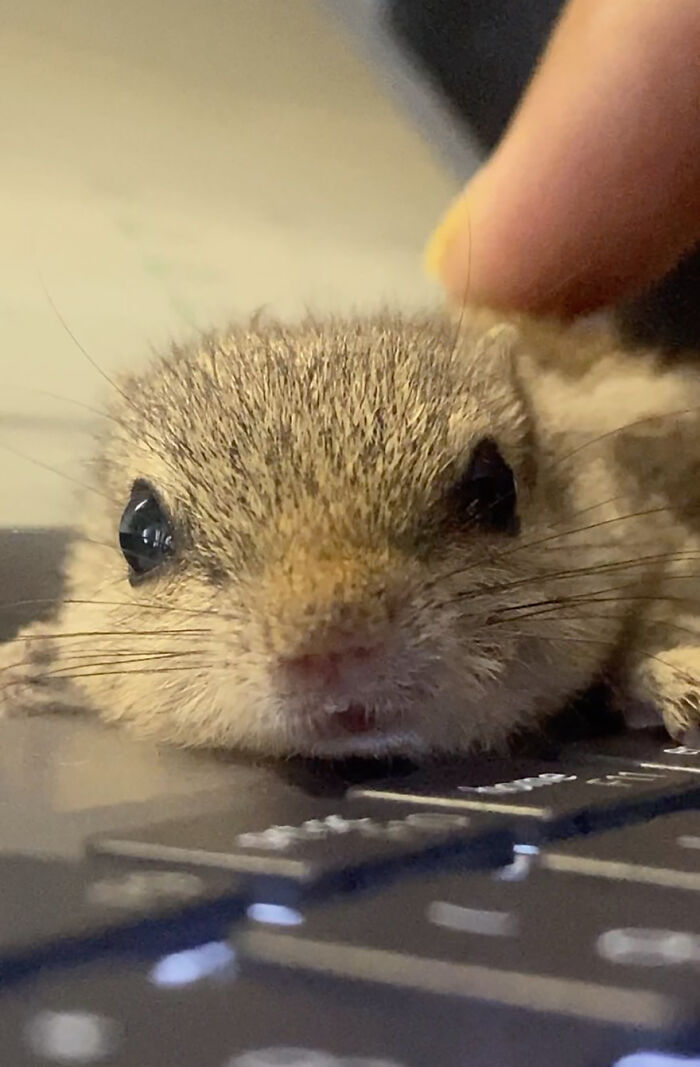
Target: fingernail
[{"x": 454, "y": 220}]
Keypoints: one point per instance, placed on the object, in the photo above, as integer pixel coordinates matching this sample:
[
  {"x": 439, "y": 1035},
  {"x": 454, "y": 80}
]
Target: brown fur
[{"x": 308, "y": 469}]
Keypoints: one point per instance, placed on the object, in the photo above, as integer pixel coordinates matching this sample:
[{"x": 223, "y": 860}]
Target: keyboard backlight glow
[
  {"x": 275, "y": 915},
  {"x": 190, "y": 965},
  {"x": 656, "y": 1059}
]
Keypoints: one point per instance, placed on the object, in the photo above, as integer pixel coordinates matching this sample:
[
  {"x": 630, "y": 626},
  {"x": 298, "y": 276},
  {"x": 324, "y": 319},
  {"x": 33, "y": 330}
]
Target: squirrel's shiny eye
[
  {"x": 145, "y": 531},
  {"x": 485, "y": 495}
]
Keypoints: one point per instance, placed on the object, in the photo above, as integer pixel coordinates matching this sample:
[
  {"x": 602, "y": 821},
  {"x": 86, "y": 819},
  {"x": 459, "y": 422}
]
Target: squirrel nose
[{"x": 330, "y": 667}]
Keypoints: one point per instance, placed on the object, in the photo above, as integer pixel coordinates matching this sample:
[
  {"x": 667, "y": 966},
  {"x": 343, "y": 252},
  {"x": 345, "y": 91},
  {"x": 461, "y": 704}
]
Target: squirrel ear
[
  {"x": 492, "y": 382},
  {"x": 494, "y": 351},
  {"x": 491, "y": 357}
]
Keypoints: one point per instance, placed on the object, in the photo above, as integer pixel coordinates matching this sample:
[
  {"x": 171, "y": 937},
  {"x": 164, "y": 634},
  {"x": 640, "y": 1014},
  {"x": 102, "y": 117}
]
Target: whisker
[
  {"x": 54, "y": 470},
  {"x": 679, "y": 556},
  {"x": 592, "y": 570},
  {"x": 113, "y": 546},
  {"x": 81, "y": 348},
  {"x": 75, "y": 537},
  {"x": 561, "y": 282},
  {"x": 88, "y": 659},
  {"x": 591, "y": 526},
  {"x": 10, "y": 605},
  {"x": 101, "y": 674},
  {"x": 143, "y": 437},
  {"x": 104, "y": 633},
  {"x": 498, "y": 555},
  {"x": 658, "y": 417},
  {"x": 68, "y": 400},
  {"x": 602, "y": 642},
  {"x": 582, "y": 599},
  {"x": 629, "y": 543},
  {"x": 114, "y": 663},
  {"x": 644, "y": 624}
]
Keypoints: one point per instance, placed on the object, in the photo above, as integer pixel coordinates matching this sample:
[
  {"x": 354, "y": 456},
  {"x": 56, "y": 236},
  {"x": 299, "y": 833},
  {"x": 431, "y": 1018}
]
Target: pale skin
[{"x": 594, "y": 191}]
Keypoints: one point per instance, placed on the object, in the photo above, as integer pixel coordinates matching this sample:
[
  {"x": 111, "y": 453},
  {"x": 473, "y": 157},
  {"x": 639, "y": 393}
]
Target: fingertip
[
  {"x": 449, "y": 230},
  {"x": 594, "y": 191}
]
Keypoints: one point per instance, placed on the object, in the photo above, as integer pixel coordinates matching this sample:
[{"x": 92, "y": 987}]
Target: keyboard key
[
  {"x": 549, "y": 799},
  {"x": 647, "y": 748},
  {"x": 198, "y": 1010},
  {"x": 665, "y": 851},
  {"x": 55, "y": 911},
  {"x": 552, "y": 942},
  {"x": 323, "y": 847}
]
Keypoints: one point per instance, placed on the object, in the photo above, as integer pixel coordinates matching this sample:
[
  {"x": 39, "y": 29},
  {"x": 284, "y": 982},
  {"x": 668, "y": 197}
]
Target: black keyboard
[{"x": 482, "y": 914}]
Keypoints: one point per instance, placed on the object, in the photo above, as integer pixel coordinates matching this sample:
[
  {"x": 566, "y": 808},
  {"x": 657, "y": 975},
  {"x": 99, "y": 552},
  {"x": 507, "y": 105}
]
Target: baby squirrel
[{"x": 381, "y": 535}]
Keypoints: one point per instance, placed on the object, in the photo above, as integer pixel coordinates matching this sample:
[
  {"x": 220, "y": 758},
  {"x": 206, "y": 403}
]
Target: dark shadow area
[{"x": 31, "y": 578}]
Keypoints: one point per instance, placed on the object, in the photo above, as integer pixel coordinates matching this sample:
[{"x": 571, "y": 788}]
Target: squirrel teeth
[{"x": 356, "y": 719}]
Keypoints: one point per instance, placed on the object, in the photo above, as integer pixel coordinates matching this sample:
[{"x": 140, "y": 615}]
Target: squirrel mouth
[{"x": 355, "y": 719}]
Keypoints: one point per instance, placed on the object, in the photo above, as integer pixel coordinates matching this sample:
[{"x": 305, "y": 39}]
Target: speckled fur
[{"x": 307, "y": 470}]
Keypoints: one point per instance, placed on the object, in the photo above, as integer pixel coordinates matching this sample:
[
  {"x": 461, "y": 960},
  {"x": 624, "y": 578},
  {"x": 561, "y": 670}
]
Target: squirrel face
[{"x": 310, "y": 519}]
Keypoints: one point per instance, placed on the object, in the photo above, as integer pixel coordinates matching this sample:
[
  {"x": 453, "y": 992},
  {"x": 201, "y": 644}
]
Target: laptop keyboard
[{"x": 486, "y": 913}]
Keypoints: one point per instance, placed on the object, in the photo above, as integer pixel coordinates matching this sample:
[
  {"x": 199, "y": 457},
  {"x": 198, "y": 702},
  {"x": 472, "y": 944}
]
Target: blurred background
[{"x": 170, "y": 164}]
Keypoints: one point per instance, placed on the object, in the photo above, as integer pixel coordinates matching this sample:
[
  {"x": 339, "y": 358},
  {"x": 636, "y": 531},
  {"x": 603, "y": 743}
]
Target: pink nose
[{"x": 331, "y": 668}]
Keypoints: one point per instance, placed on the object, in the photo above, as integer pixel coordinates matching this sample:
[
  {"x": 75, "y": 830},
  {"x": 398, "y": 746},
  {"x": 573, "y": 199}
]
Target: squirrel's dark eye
[
  {"x": 485, "y": 495},
  {"x": 145, "y": 532}
]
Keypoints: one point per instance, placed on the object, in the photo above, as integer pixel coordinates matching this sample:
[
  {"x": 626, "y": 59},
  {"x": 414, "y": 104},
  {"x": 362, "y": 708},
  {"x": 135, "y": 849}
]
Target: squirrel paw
[{"x": 671, "y": 683}]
